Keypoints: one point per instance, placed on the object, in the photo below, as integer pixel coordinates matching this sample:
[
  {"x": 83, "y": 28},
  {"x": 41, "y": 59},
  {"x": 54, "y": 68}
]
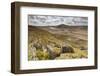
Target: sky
[{"x": 50, "y": 20}]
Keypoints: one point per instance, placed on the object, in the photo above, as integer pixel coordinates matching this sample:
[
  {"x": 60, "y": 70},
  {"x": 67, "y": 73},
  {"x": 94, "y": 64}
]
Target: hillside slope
[{"x": 45, "y": 43}]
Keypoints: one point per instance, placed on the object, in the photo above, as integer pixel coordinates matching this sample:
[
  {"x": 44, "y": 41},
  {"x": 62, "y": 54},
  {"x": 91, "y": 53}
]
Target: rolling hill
[{"x": 57, "y": 42}]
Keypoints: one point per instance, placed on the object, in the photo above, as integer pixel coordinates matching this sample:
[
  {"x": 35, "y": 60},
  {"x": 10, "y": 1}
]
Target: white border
[{"x": 25, "y": 64}]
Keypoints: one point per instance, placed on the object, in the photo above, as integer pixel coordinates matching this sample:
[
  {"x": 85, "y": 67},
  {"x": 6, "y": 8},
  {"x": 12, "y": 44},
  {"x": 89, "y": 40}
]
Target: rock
[
  {"x": 34, "y": 56},
  {"x": 57, "y": 51},
  {"x": 67, "y": 49},
  {"x": 53, "y": 51},
  {"x": 44, "y": 49},
  {"x": 52, "y": 54},
  {"x": 33, "y": 53},
  {"x": 58, "y": 54},
  {"x": 38, "y": 46}
]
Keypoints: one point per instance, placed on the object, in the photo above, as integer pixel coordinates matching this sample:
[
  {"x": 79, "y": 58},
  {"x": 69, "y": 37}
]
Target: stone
[
  {"x": 67, "y": 49},
  {"x": 51, "y": 52}
]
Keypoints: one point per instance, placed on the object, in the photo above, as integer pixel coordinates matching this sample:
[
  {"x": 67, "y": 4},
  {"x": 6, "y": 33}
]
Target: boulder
[
  {"x": 67, "y": 49},
  {"x": 50, "y": 51},
  {"x": 38, "y": 46},
  {"x": 53, "y": 51},
  {"x": 44, "y": 49}
]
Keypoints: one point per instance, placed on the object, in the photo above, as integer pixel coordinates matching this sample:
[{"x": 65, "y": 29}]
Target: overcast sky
[{"x": 43, "y": 20}]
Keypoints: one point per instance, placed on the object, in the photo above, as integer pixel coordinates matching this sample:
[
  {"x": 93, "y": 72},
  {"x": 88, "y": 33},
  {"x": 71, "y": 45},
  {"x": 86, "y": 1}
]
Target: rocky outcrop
[
  {"x": 39, "y": 51},
  {"x": 51, "y": 52}
]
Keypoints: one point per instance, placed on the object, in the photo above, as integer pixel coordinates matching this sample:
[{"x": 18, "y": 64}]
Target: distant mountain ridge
[{"x": 62, "y": 26}]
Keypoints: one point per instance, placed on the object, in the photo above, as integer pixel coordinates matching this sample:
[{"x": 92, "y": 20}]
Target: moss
[
  {"x": 29, "y": 55},
  {"x": 42, "y": 55},
  {"x": 57, "y": 50}
]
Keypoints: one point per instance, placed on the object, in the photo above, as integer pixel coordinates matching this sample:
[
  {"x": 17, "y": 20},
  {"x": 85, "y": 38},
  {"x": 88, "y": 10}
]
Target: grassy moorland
[{"x": 57, "y": 42}]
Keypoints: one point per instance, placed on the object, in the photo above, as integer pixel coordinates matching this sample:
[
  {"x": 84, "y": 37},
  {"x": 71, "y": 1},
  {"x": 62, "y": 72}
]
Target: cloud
[{"x": 43, "y": 20}]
